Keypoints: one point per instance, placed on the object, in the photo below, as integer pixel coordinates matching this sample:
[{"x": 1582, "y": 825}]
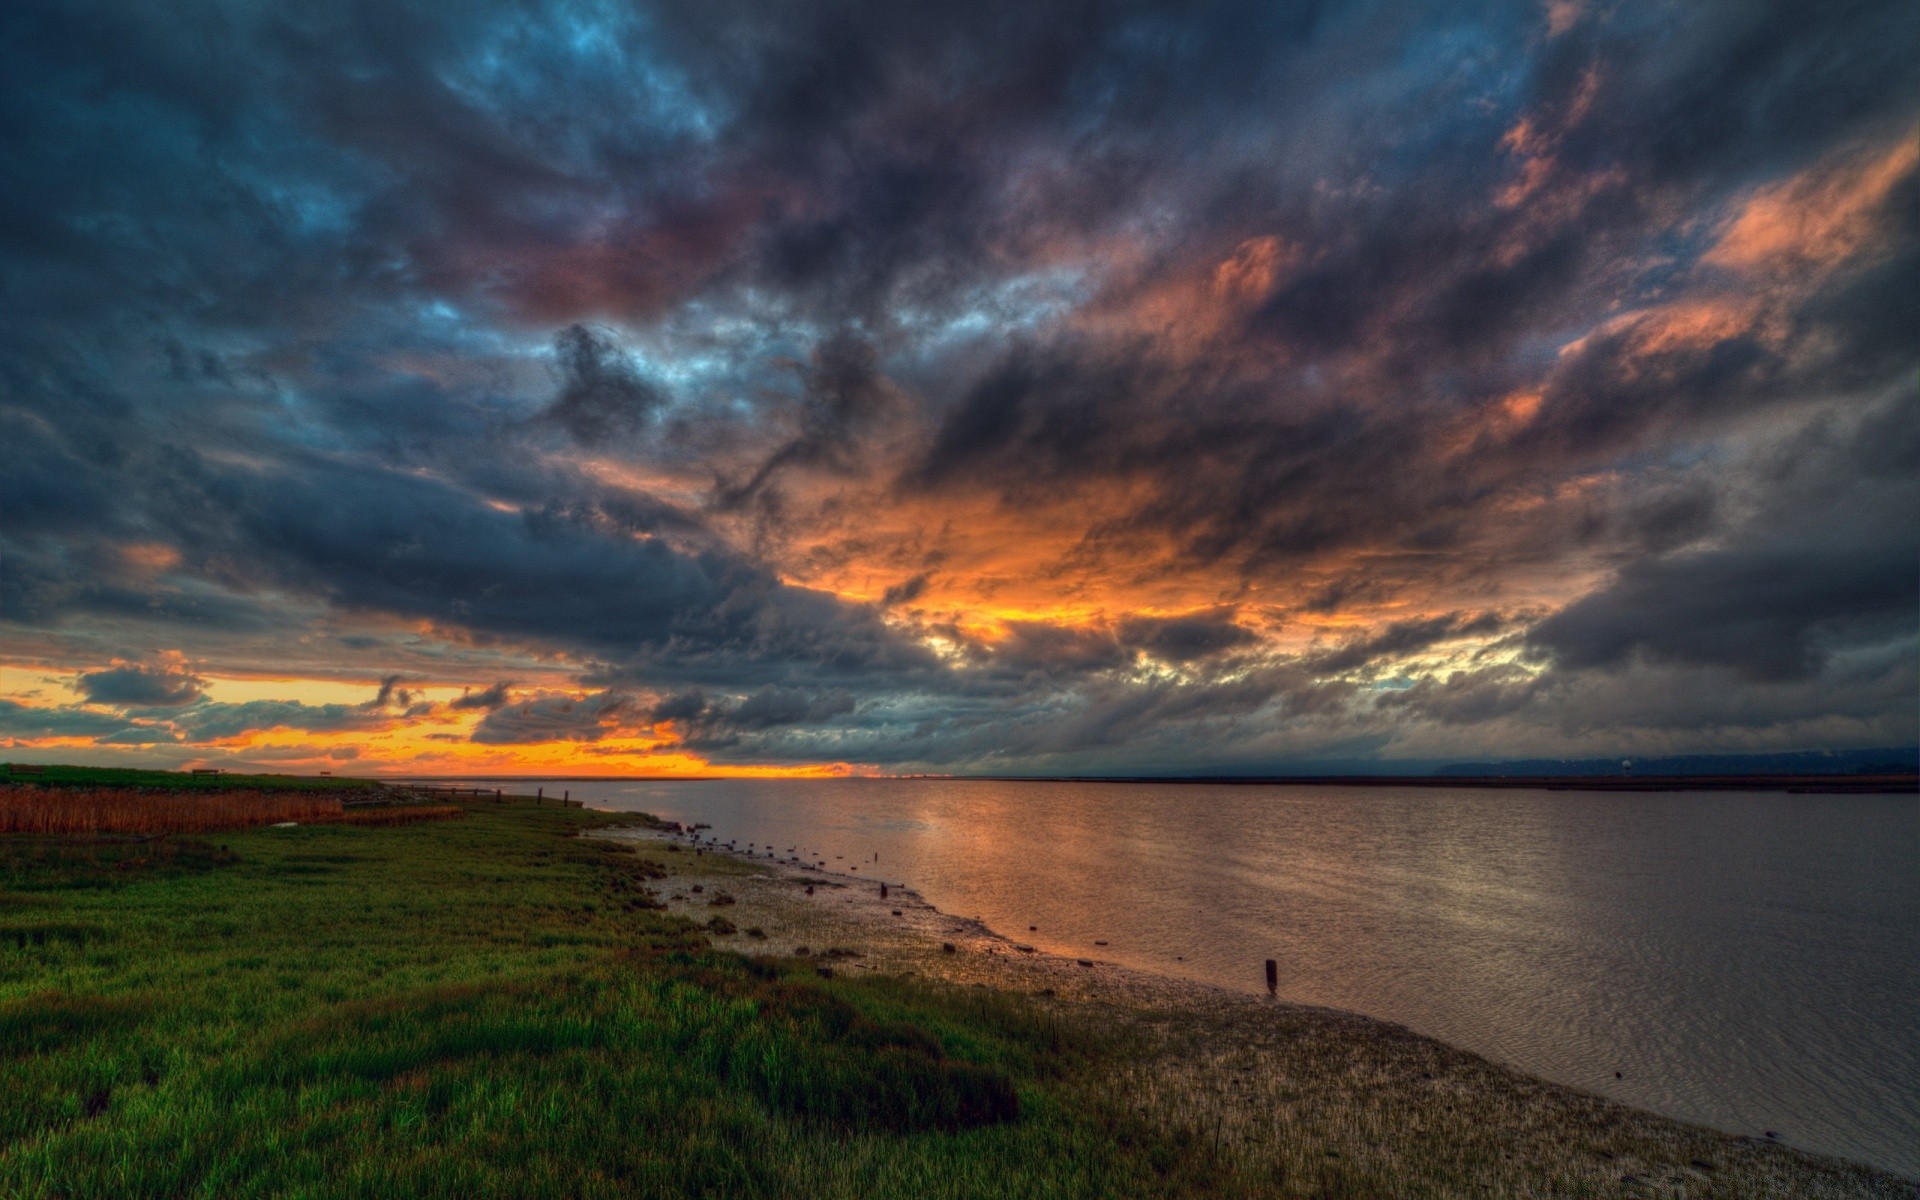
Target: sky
[{"x": 788, "y": 386}]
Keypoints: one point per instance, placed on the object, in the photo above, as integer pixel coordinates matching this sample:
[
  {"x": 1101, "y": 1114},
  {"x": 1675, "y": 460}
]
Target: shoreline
[
  {"x": 1868, "y": 784},
  {"x": 1276, "y": 1082}
]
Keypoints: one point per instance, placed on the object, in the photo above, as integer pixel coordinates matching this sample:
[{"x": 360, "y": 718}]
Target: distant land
[
  {"x": 1889, "y": 761},
  {"x": 1850, "y": 771},
  {"x": 1886, "y": 769},
  {"x": 1882, "y": 770}
]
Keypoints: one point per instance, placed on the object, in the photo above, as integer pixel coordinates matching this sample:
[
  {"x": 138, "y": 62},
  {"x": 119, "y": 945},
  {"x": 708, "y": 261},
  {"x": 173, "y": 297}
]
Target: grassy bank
[{"x": 492, "y": 1006}]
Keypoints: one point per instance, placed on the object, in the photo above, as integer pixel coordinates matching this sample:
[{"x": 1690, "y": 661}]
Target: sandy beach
[{"x": 1280, "y": 1090}]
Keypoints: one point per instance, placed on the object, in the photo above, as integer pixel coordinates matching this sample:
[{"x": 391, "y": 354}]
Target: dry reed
[{"x": 83, "y": 811}]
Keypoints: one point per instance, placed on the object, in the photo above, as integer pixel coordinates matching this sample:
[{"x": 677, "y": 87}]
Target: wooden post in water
[
  {"x": 1273, "y": 978},
  {"x": 883, "y": 891},
  {"x": 540, "y": 795}
]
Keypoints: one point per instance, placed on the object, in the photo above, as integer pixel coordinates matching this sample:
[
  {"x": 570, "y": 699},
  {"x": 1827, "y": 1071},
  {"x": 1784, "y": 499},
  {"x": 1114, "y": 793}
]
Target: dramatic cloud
[
  {"x": 20, "y": 721},
  {"x": 1139, "y": 386},
  {"x": 135, "y": 686},
  {"x": 213, "y": 722},
  {"x": 487, "y": 698},
  {"x": 1823, "y": 562},
  {"x": 601, "y": 396},
  {"x": 1402, "y": 637},
  {"x": 552, "y": 719},
  {"x": 390, "y": 693},
  {"x": 1185, "y": 639}
]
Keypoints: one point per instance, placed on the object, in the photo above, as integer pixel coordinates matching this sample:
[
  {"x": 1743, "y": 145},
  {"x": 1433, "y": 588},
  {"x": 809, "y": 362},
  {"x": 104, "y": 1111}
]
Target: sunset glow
[{"x": 606, "y": 389}]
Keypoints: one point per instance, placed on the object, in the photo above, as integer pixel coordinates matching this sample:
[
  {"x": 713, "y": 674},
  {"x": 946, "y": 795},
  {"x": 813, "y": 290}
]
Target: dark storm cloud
[
  {"x": 140, "y": 735},
  {"x": 1402, "y": 637},
  {"x": 601, "y": 395},
  {"x": 1233, "y": 475},
  {"x": 773, "y": 706},
  {"x": 553, "y": 719},
  {"x": 390, "y": 693},
  {"x": 1732, "y": 90},
  {"x": 1468, "y": 698},
  {"x": 1368, "y": 302},
  {"x": 1826, "y": 562},
  {"x": 886, "y": 131},
  {"x": 1761, "y": 612},
  {"x": 486, "y": 699},
  {"x": 199, "y": 721},
  {"x": 844, "y": 396},
  {"x": 31, "y": 721},
  {"x": 376, "y": 541},
  {"x": 1185, "y": 639},
  {"x": 211, "y": 722},
  {"x": 749, "y": 727},
  {"x": 1423, "y": 294},
  {"x": 682, "y": 706},
  {"x": 907, "y": 591},
  {"x": 137, "y": 686},
  {"x": 1042, "y": 648}
]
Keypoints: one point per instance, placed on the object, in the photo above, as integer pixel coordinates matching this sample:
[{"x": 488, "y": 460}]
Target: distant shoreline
[
  {"x": 1894, "y": 784},
  {"x": 1823, "y": 784}
]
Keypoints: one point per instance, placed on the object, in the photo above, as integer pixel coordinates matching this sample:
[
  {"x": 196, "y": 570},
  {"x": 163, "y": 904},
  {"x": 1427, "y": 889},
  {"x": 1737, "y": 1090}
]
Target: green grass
[
  {"x": 494, "y": 1007},
  {"x": 69, "y": 776}
]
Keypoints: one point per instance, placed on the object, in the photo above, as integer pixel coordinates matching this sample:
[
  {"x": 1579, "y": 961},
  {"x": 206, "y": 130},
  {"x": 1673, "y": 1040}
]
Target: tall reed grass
[{"x": 123, "y": 810}]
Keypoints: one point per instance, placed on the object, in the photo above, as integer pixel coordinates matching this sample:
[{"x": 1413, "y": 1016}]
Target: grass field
[
  {"x": 123, "y": 777},
  {"x": 493, "y": 1006}
]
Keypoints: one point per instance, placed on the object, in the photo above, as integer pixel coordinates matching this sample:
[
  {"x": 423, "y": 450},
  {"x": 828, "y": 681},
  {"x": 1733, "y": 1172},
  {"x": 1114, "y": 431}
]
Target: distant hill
[{"x": 1890, "y": 761}]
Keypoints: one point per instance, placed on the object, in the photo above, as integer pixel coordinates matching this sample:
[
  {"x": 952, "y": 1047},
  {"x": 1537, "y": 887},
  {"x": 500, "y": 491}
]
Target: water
[{"x": 1745, "y": 961}]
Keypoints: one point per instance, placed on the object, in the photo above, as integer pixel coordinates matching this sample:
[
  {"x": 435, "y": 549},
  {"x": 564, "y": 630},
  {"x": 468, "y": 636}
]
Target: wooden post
[
  {"x": 1273, "y": 978},
  {"x": 540, "y": 795},
  {"x": 883, "y": 891}
]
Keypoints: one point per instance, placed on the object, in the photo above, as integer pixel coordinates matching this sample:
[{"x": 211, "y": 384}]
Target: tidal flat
[{"x": 495, "y": 1004}]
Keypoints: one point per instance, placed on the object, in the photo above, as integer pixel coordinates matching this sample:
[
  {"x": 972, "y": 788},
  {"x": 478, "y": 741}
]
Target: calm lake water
[{"x": 1745, "y": 961}]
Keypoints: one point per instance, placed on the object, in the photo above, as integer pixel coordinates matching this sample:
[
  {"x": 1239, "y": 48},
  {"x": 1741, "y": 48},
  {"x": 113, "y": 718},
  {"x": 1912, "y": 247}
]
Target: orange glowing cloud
[
  {"x": 150, "y": 556},
  {"x": 1533, "y": 140},
  {"x": 1563, "y": 15},
  {"x": 1822, "y": 217},
  {"x": 1197, "y": 310}
]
